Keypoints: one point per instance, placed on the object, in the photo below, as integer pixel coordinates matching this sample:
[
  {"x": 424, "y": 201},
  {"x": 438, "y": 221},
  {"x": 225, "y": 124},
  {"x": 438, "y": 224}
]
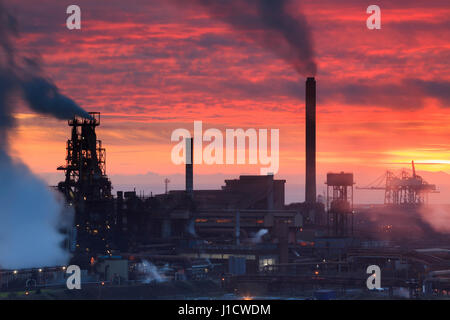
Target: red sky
[{"x": 151, "y": 66}]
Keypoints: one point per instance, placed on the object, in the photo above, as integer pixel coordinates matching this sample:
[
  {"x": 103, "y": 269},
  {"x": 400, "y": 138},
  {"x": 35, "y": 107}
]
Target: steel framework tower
[
  {"x": 340, "y": 204},
  {"x": 88, "y": 189},
  {"x": 85, "y": 168}
]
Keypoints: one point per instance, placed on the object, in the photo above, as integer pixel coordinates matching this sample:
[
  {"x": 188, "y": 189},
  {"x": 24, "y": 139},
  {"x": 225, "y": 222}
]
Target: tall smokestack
[
  {"x": 189, "y": 165},
  {"x": 310, "y": 183}
]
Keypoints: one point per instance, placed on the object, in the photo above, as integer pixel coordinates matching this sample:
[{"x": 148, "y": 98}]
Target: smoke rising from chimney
[
  {"x": 30, "y": 213},
  {"x": 272, "y": 24}
]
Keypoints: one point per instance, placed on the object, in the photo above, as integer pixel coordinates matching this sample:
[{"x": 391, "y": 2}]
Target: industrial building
[{"x": 244, "y": 234}]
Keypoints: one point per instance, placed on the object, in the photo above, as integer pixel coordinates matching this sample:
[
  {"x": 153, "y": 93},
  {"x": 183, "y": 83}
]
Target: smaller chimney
[{"x": 189, "y": 165}]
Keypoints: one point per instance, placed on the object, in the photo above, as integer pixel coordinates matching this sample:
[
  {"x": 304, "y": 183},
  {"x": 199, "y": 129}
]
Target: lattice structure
[
  {"x": 406, "y": 189},
  {"x": 340, "y": 204},
  {"x": 88, "y": 190},
  {"x": 85, "y": 168},
  {"x": 403, "y": 189}
]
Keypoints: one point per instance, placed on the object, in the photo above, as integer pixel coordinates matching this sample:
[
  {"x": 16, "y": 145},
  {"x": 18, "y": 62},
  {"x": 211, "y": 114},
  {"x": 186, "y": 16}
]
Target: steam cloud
[
  {"x": 30, "y": 217},
  {"x": 258, "y": 238},
  {"x": 151, "y": 272},
  {"x": 272, "y": 24},
  {"x": 428, "y": 222},
  {"x": 30, "y": 213},
  {"x": 438, "y": 216}
]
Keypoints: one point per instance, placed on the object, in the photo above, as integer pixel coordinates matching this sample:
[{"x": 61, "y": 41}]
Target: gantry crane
[{"x": 403, "y": 189}]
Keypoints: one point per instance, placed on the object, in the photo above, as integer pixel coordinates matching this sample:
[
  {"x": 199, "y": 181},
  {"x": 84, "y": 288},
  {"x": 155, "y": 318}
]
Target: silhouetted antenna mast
[{"x": 166, "y": 182}]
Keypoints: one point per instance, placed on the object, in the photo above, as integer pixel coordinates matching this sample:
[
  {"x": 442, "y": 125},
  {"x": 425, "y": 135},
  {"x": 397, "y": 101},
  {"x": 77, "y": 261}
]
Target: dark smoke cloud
[
  {"x": 30, "y": 213},
  {"x": 22, "y": 77},
  {"x": 406, "y": 94},
  {"x": 44, "y": 97},
  {"x": 272, "y": 23}
]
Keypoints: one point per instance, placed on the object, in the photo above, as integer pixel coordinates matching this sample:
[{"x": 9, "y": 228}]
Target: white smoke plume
[
  {"x": 191, "y": 228},
  {"x": 438, "y": 216},
  {"x": 30, "y": 213},
  {"x": 151, "y": 272},
  {"x": 30, "y": 216},
  {"x": 259, "y": 236}
]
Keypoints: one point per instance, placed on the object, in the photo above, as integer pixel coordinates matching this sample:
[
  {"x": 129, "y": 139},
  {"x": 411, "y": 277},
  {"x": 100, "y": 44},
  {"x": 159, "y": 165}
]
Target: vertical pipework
[
  {"x": 310, "y": 183},
  {"x": 189, "y": 165},
  {"x": 270, "y": 192},
  {"x": 237, "y": 227}
]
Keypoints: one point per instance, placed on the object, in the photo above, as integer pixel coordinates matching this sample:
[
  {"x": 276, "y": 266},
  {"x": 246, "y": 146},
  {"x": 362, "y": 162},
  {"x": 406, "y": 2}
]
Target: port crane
[{"x": 402, "y": 189}]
